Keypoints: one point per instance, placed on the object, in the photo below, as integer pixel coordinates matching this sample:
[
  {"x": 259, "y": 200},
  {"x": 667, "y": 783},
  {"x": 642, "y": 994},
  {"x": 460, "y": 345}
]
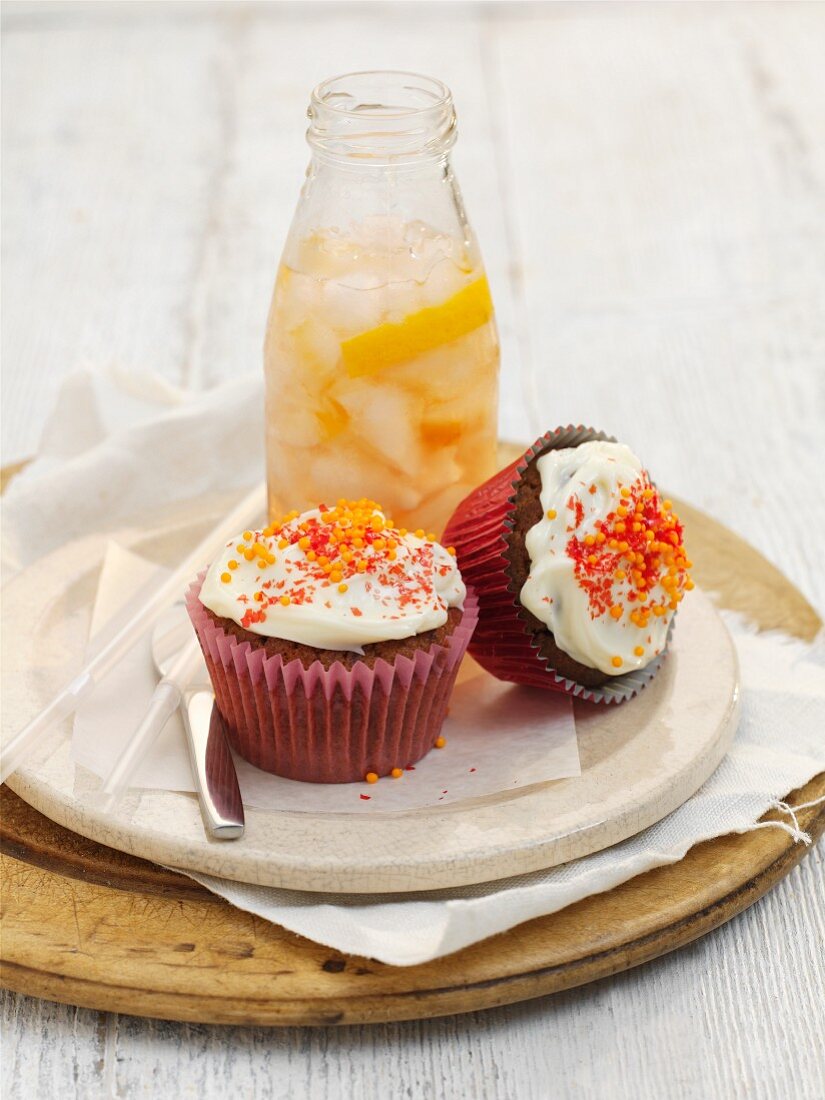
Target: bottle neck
[{"x": 382, "y": 120}]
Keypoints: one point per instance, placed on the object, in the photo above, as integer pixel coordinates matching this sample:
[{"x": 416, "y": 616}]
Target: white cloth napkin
[
  {"x": 119, "y": 447},
  {"x": 112, "y": 455},
  {"x": 780, "y": 745}
]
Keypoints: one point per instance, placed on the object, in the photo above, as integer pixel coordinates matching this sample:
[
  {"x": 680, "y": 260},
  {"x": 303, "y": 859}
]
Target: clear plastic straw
[
  {"x": 165, "y": 701},
  {"x": 66, "y": 702}
]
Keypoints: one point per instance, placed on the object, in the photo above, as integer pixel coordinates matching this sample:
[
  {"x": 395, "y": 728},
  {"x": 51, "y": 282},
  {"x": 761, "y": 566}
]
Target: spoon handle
[{"x": 214, "y": 768}]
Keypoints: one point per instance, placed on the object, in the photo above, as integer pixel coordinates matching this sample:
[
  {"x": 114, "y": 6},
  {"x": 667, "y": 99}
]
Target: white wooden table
[{"x": 648, "y": 183}]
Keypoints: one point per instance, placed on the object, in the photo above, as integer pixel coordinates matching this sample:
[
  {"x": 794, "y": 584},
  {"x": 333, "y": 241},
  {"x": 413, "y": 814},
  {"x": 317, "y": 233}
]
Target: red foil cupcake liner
[
  {"x": 502, "y": 642},
  {"x": 330, "y": 725}
]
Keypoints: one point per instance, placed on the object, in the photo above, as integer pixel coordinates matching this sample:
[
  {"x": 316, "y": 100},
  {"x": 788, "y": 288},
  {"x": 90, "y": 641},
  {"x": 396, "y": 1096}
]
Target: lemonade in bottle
[{"x": 381, "y": 352}]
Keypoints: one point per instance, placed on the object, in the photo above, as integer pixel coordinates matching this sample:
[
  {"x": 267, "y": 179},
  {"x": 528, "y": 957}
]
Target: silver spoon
[{"x": 212, "y": 765}]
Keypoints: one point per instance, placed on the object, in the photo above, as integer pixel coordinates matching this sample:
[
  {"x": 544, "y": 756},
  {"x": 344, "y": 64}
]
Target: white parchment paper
[{"x": 499, "y": 736}]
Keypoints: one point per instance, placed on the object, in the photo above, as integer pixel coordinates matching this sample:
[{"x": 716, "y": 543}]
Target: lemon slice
[{"x": 389, "y": 344}]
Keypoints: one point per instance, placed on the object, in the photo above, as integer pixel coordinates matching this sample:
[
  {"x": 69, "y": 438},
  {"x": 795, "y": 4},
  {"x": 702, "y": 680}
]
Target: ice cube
[
  {"x": 442, "y": 282},
  {"x": 434, "y": 511},
  {"x": 317, "y": 347},
  {"x": 297, "y": 297},
  {"x": 449, "y": 371},
  {"x": 291, "y": 420},
  {"x": 447, "y": 421},
  {"x": 437, "y": 469},
  {"x": 337, "y": 471},
  {"x": 385, "y": 418},
  {"x": 477, "y": 447},
  {"x": 350, "y": 311}
]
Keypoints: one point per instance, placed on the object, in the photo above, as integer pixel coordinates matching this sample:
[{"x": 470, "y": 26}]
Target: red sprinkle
[
  {"x": 642, "y": 542},
  {"x": 350, "y": 539}
]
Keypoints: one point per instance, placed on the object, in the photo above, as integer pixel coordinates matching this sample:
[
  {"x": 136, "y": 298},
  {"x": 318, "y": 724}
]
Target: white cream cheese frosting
[
  {"x": 334, "y": 578},
  {"x": 608, "y": 567}
]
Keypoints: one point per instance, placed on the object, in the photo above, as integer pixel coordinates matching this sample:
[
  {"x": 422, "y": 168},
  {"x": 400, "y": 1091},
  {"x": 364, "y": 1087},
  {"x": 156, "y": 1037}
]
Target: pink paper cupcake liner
[
  {"x": 502, "y": 642},
  {"x": 330, "y": 725}
]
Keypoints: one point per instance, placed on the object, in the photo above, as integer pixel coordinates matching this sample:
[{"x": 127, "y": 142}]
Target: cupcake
[
  {"x": 333, "y": 640},
  {"x": 578, "y": 565}
]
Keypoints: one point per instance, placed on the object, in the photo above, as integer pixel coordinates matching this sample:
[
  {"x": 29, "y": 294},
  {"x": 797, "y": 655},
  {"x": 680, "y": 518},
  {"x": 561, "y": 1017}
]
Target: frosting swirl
[
  {"x": 608, "y": 564},
  {"x": 334, "y": 578}
]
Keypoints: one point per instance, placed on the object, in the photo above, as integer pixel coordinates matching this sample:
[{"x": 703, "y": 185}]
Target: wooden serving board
[{"x": 87, "y": 925}]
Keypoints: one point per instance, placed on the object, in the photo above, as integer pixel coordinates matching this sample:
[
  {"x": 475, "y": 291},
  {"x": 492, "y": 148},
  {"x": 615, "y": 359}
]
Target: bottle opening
[{"x": 383, "y": 117}]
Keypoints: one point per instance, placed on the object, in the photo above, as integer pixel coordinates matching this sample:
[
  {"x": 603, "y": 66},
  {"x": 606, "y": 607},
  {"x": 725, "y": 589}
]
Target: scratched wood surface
[{"x": 647, "y": 183}]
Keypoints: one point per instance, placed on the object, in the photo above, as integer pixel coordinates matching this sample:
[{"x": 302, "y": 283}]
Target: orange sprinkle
[
  {"x": 440, "y": 742},
  {"x": 284, "y": 601},
  {"x": 247, "y": 536},
  {"x": 616, "y": 662},
  {"x": 639, "y": 651},
  {"x": 226, "y": 577},
  {"x": 396, "y": 773},
  {"x": 232, "y": 564},
  {"x": 551, "y": 513},
  {"x": 371, "y": 777}
]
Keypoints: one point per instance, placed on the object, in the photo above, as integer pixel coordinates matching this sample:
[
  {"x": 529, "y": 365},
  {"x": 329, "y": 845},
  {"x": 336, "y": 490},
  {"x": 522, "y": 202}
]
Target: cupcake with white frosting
[
  {"x": 333, "y": 640},
  {"x": 579, "y": 566}
]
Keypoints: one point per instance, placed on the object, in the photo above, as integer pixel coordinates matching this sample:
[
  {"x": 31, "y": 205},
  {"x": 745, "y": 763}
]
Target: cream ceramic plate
[{"x": 639, "y": 761}]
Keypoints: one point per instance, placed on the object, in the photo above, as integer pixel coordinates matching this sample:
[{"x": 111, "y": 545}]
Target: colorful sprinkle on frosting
[
  {"x": 335, "y": 577},
  {"x": 640, "y": 541},
  {"x": 608, "y": 566}
]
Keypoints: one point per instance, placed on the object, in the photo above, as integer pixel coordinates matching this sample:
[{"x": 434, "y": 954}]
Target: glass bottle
[{"x": 381, "y": 353}]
